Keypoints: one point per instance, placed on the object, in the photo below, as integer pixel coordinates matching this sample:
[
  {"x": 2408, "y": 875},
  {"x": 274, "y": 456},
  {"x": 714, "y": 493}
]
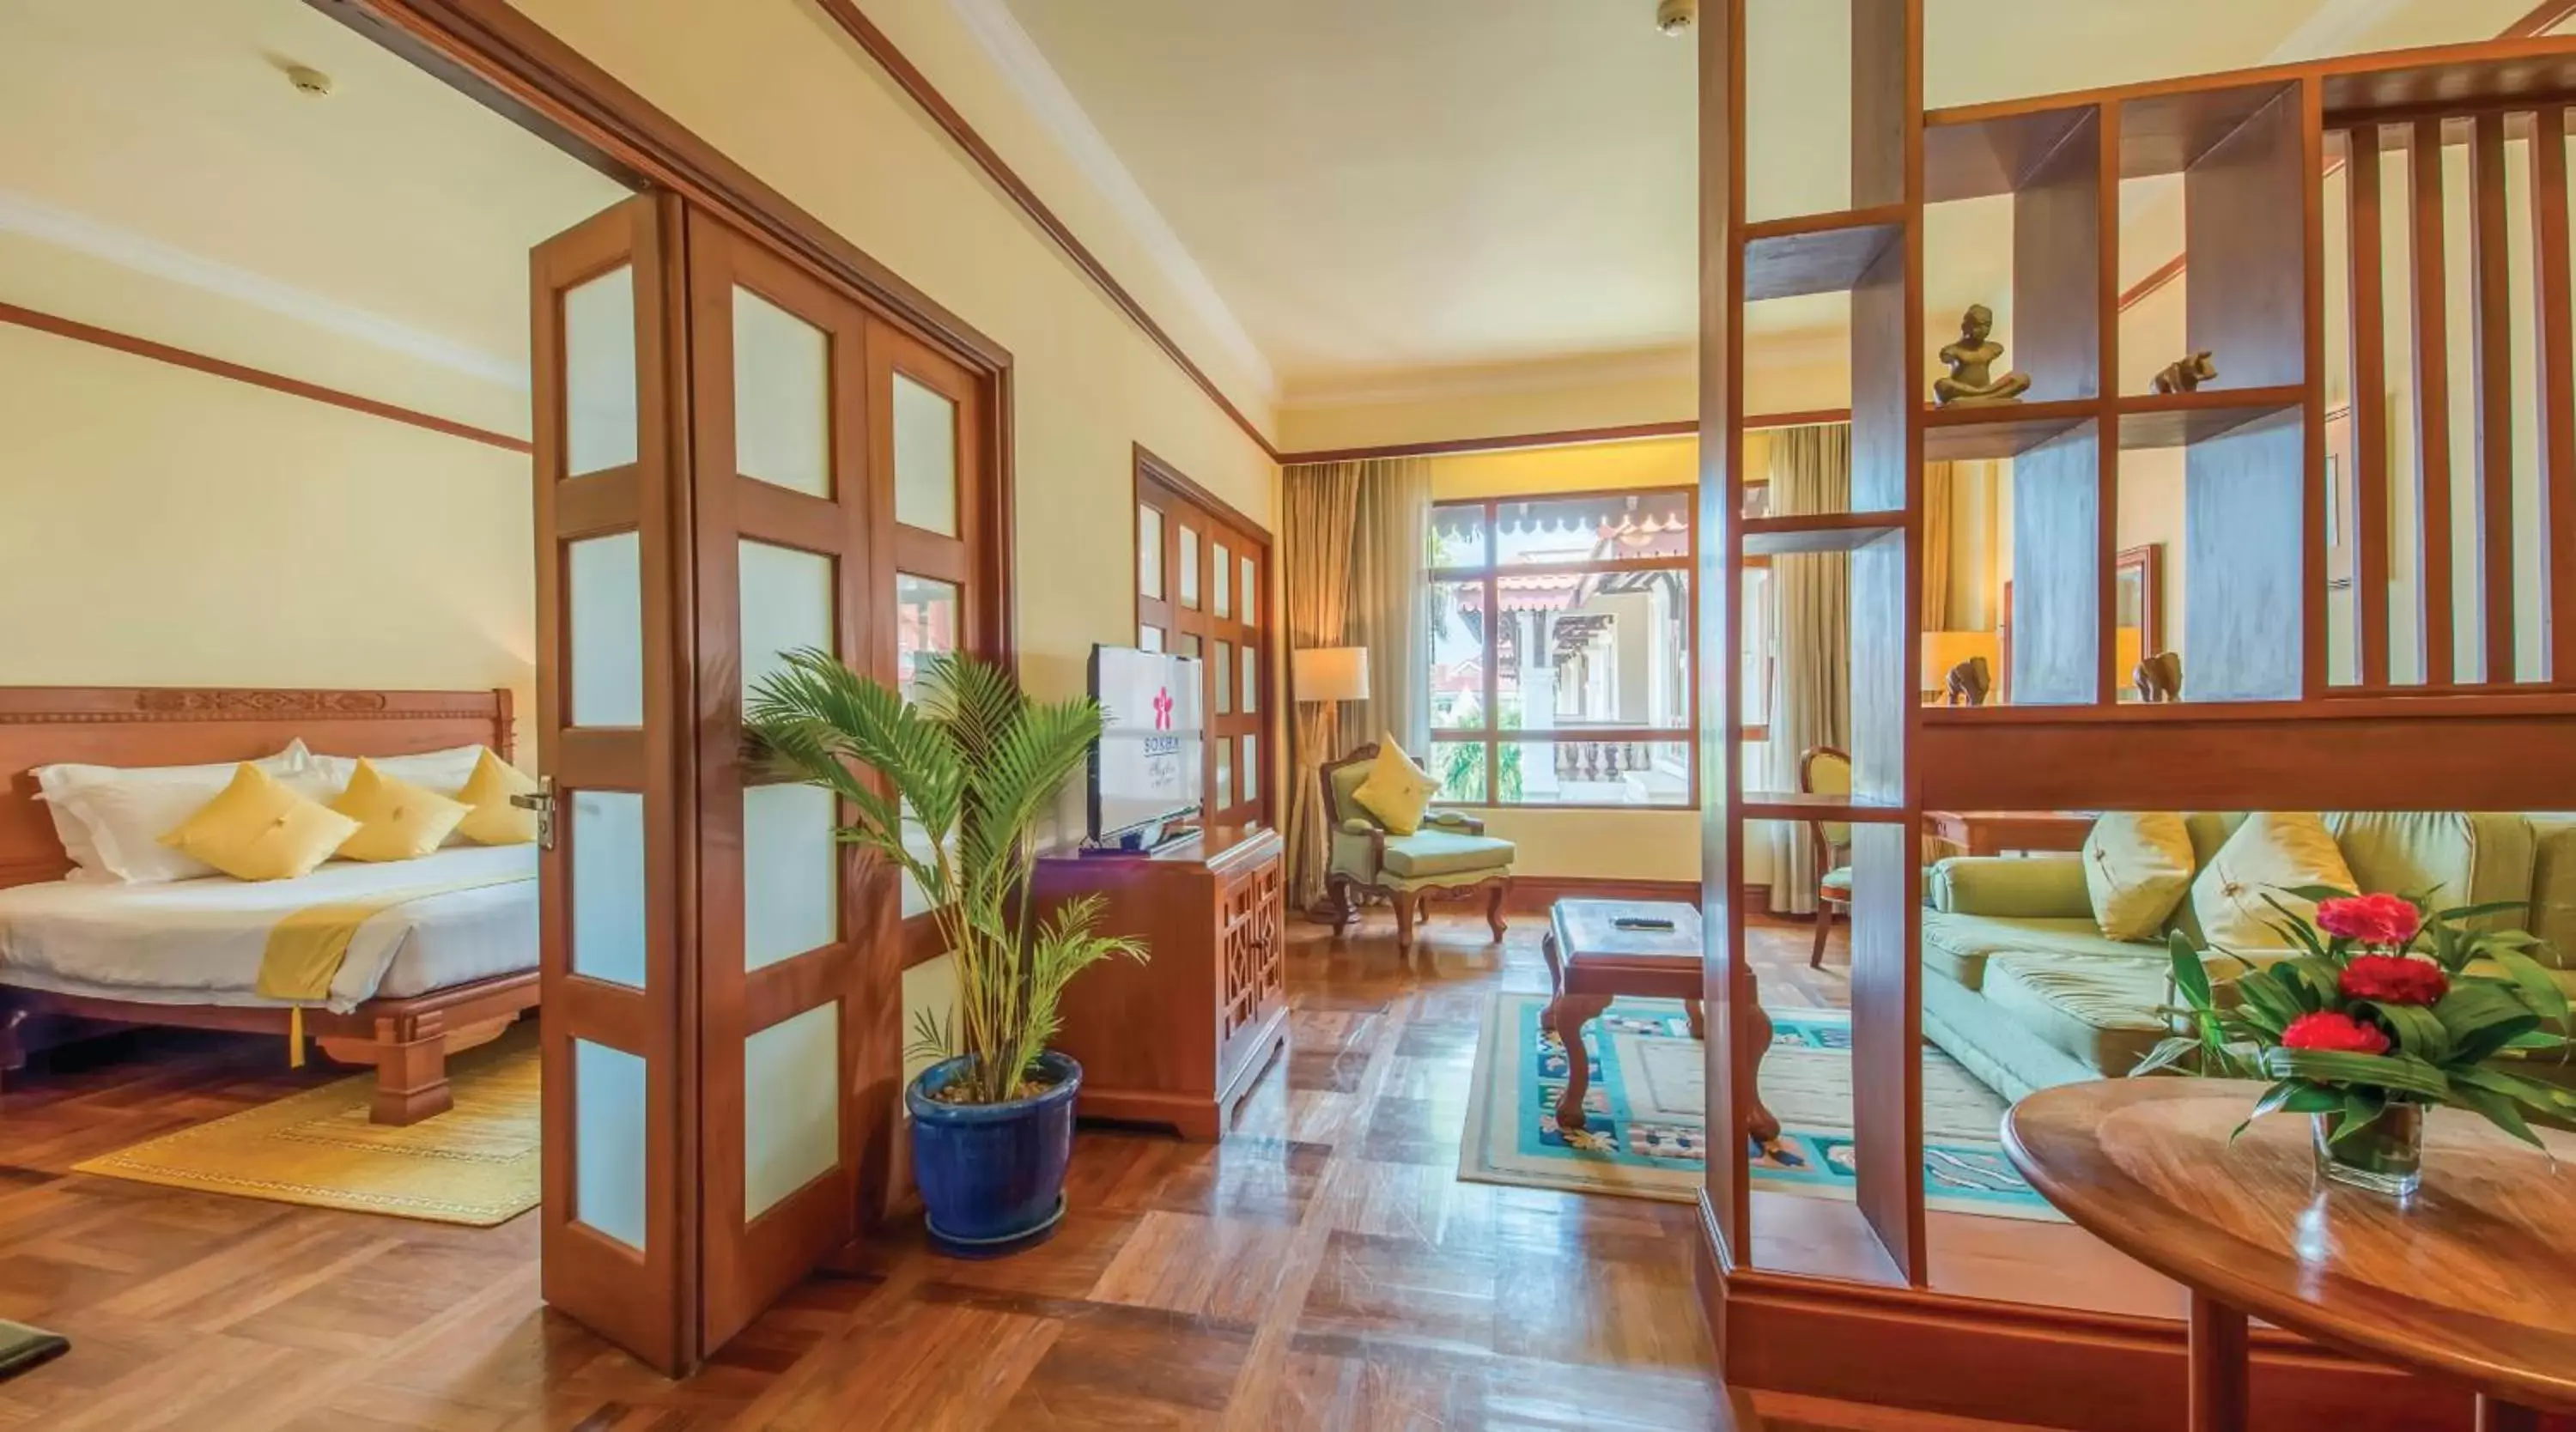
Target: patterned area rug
[
  {"x": 1646, "y": 1112},
  {"x": 476, "y": 1164}
]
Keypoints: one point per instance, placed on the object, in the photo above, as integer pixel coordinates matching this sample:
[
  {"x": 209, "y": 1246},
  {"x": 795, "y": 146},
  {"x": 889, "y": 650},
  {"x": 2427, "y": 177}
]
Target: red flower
[
  {"x": 2336, "y": 1033},
  {"x": 2393, "y": 979},
  {"x": 2385, "y": 920}
]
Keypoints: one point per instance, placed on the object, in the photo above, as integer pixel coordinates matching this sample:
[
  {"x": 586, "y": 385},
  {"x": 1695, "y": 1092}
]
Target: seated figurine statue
[{"x": 1971, "y": 362}]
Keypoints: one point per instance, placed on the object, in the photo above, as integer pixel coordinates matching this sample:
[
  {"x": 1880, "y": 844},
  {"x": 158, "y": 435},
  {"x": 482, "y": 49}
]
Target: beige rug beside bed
[{"x": 476, "y": 1164}]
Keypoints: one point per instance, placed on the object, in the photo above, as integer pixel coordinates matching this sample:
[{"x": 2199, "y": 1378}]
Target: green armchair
[{"x": 1450, "y": 857}]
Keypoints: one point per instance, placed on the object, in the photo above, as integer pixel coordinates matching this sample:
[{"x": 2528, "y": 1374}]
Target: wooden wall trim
[
  {"x": 2539, "y": 20},
  {"x": 1149, "y": 465},
  {"x": 522, "y": 71},
  {"x": 1568, "y": 437},
  {"x": 257, "y": 377},
  {"x": 909, "y": 78}
]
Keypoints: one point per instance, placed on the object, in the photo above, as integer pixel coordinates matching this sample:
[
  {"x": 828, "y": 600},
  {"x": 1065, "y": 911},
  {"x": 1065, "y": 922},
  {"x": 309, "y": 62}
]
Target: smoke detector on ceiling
[
  {"x": 308, "y": 80},
  {"x": 1675, "y": 17}
]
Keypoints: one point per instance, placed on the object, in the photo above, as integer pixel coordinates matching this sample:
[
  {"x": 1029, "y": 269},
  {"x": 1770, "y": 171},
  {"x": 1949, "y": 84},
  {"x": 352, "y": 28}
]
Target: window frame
[{"x": 1489, "y": 572}]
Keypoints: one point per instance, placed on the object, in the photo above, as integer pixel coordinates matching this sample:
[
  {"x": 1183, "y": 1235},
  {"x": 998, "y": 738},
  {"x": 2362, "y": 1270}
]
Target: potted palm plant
[{"x": 969, "y": 764}]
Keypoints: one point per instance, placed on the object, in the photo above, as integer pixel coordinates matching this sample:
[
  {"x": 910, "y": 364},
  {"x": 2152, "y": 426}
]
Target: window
[{"x": 1561, "y": 636}]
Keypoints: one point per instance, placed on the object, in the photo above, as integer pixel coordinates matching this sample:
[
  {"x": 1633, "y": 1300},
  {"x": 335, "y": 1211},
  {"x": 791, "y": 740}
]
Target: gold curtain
[
  {"x": 1811, "y": 606},
  {"x": 1387, "y": 613},
  {"x": 1937, "y": 606},
  {"x": 1319, "y": 509}
]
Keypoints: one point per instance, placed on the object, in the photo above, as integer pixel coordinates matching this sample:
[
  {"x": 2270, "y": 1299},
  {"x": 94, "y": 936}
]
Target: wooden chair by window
[
  {"x": 1823, "y": 770},
  {"x": 1450, "y": 857}
]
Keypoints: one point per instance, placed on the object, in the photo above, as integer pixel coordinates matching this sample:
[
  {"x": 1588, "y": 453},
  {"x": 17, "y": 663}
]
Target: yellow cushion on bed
[
  {"x": 257, "y": 829},
  {"x": 396, "y": 819},
  {"x": 493, "y": 820}
]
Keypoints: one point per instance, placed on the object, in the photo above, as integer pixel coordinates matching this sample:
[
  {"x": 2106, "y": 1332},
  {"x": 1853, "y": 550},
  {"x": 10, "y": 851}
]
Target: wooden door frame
[{"x": 1148, "y": 468}]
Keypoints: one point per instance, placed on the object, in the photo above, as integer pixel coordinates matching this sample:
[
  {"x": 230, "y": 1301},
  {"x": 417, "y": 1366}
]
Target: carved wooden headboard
[{"x": 180, "y": 725}]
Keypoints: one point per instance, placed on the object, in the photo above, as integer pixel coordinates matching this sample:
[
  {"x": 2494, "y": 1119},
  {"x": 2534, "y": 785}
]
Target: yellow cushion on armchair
[{"x": 1397, "y": 791}]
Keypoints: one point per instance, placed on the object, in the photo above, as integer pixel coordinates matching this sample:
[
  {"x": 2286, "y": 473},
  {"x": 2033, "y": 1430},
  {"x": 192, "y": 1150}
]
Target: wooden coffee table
[
  {"x": 1590, "y": 961},
  {"x": 2466, "y": 1281}
]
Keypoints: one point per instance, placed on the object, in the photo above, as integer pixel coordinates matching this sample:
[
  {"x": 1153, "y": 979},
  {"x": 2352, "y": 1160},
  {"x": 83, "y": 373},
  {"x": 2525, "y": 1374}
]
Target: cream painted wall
[{"x": 160, "y": 526}]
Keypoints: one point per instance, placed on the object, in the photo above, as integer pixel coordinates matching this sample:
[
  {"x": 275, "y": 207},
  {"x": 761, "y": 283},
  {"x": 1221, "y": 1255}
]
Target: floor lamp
[{"x": 1322, "y": 677}]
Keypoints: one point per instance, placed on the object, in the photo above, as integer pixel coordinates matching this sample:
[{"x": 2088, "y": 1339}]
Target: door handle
[{"x": 542, "y": 801}]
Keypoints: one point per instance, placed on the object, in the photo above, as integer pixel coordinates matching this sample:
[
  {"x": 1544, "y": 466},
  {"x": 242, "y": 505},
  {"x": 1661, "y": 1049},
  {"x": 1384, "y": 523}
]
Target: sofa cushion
[
  {"x": 2100, "y": 1012},
  {"x": 2552, "y": 914},
  {"x": 2455, "y": 858},
  {"x": 1437, "y": 852},
  {"x": 2242, "y": 893},
  {"x": 2137, "y": 866},
  {"x": 1959, "y": 945}
]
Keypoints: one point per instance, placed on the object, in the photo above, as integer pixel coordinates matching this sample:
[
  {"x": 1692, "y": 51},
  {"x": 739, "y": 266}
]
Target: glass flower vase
[{"x": 2385, "y": 1155}]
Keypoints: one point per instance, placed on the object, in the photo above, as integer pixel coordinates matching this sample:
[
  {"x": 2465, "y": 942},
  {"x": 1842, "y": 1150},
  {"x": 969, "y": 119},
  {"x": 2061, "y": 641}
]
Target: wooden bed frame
[{"x": 407, "y": 1040}]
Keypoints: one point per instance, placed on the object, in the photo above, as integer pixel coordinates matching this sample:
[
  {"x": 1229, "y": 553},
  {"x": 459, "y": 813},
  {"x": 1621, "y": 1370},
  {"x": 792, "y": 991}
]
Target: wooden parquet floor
[{"x": 1322, "y": 1268}]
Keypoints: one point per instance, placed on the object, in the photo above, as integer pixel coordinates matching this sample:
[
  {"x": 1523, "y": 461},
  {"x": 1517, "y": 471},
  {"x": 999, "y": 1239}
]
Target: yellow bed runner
[{"x": 306, "y": 949}]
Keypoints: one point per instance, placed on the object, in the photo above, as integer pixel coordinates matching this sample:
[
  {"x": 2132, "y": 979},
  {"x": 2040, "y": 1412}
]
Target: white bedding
[{"x": 200, "y": 941}]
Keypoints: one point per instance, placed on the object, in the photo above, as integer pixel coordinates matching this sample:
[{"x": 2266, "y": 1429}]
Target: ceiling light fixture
[
  {"x": 308, "y": 80},
  {"x": 1675, "y": 17}
]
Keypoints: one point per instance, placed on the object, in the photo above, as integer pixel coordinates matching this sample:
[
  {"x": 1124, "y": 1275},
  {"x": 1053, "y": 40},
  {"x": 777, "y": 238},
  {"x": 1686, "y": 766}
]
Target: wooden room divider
[{"x": 2006, "y": 1329}]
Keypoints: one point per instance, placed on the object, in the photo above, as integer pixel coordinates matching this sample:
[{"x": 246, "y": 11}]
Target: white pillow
[
  {"x": 106, "y": 816},
  {"x": 444, "y": 772}
]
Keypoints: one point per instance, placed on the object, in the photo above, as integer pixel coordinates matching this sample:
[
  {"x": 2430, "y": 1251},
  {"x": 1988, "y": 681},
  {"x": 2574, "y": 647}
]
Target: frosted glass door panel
[
  {"x": 925, "y": 458},
  {"x": 782, "y": 409},
  {"x": 791, "y": 1107},
  {"x": 1149, "y": 552},
  {"x": 599, "y": 373},
  {"x": 1189, "y": 573},
  {"x": 1149, "y": 637},
  {"x": 1249, "y": 770},
  {"x": 1222, "y": 573},
  {"x": 786, "y": 604},
  {"x": 791, "y": 873},
  {"x": 925, "y": 622},
  {"x": 606, "y": 580},
  {"x": 608, "y": 886},
  {"x": 608, "y": 1121},
  {"x": 1249, "y": 585},
  {"x": 1225, "y": 678}
]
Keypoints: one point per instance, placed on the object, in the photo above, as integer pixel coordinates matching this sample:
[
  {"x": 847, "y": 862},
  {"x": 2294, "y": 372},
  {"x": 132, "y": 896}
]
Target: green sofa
[{"x": 2021, "y": 986}]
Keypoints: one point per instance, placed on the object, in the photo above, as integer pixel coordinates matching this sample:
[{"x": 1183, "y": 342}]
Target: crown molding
[
  {"x": 1422, "y": 385},
  {"x": 1024, "y": 67},
  {"x": 62, "y": 228}
]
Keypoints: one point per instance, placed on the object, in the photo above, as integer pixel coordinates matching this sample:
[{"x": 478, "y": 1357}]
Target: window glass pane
[
  {"x": 1149, "y": 638},
  {"x": 925, "y": 458},
  {"x": 791, "y": 872},
  {"x": 1223, "y": 572},
  {"x": 1225, "y": 678},
  {"x": 1189, "y": 573},
  {"x": 786, "y": 606},
  {"x": 1755, "y": 679},
  {"x": 1458, "y": 535},
  {"x": 1457, "y": 626},
  {"x": 599, "y": 373},
  {"x": 605, "y": 577},
  {"x": 1460, "y": 765},
  {"x": 1249, "y": 584},
  {"x": 791, "y": 1108},
  {"x": 1251, "y": 683},
  {"x": 1639, "y": 773},
  {"x": 608, "y": 1123},
  {"x": 608, "y": 886},
  {"x": 1250, "y": 767},
  {"x": 1224, "y": 774},
  {"x": 925, "y": 615},
  {"x": 782, "y": 408},
  {"x": 1606, "y": 528},
  {"x": 1149, "y": 552},
  {"x": 1190, "y": 645},
  {"x": 1599, "y": 649}
]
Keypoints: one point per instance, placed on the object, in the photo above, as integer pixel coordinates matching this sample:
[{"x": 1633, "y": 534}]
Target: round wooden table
[{"x": 2473, "y": 1279}]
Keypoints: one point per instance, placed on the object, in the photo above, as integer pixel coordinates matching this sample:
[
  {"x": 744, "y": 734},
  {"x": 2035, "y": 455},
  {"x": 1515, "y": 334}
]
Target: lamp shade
[
  {"x": 1330, "y": 673},
  {"x": 1945, "y": 649}
]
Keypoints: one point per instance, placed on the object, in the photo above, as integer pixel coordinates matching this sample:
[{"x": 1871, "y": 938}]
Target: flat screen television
[{"x": 1145, "y": 770}]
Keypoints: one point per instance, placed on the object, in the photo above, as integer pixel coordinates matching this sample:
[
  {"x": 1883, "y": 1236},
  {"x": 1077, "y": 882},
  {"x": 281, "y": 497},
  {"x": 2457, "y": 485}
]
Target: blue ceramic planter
[{"x": 990, "y": 1173}]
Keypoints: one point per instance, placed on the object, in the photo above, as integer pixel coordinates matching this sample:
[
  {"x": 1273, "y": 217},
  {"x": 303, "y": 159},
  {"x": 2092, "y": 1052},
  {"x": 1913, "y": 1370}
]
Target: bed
[{"x": 443, "y": 972}]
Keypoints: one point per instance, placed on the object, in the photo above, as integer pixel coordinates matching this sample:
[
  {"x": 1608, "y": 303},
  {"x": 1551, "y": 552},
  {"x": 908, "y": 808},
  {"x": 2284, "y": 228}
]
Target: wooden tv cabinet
[{"x": 1180, "y": 1039}]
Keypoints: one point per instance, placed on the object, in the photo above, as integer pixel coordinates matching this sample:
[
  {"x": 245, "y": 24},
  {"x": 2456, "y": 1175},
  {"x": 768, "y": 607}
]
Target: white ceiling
[
  {"x": 158, "y": 174},
  {"x": 1386, "y": 191}
]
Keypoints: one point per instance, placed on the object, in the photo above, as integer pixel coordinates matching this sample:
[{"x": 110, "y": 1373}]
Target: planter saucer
[{"x": 996, "y": 1247}]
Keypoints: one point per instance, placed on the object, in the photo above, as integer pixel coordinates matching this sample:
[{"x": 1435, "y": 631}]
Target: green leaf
[
  {"x": 2167, "y": 1054},
  {"x": 2292, "y": 1096},
  {"x": 2459, "y": 913},
  {"x": 2539, "y": 991},
  {"x": 2190, "y": 976},
  {"x": 2361, "y": 1109},
  {"x": 2497, "y": 1110},
  {"x": 2419, "y": 1031},
  {"x": 2262, "y": 991},
  {"x": 2483, "y": 1016},
  {"x": 2314, "y": 893},
  {"x": 2296, "y": 926},
  {"x": 2398, "y": 1073}
]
